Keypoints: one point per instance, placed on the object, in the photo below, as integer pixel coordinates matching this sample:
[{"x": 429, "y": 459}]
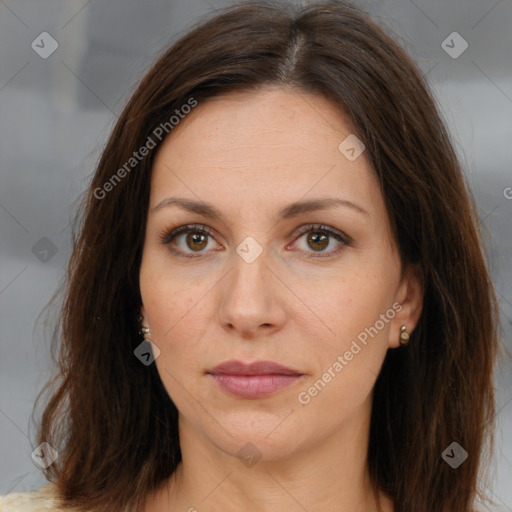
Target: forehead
[{"x": 261, "y": 149}]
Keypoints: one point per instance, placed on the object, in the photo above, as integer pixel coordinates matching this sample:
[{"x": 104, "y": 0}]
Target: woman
[{"x": 278, "y": 299}]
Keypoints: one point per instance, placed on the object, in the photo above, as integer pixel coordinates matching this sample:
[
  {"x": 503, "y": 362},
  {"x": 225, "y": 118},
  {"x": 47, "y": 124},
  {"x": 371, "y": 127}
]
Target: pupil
[
  {"x": 195, "y": 238},
  {"x": 315, "y": 238}
]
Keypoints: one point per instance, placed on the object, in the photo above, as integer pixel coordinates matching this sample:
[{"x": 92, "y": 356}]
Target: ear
[
  {"x": 142, "y": 312},
  {"x": 409, "y": 295}
]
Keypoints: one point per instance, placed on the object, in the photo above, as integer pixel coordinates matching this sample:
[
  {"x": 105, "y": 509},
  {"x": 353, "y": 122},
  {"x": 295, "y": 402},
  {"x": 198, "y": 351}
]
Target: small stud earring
[
  {"x": 404, "y": 335},
  {"x": 144, "y": 331}
]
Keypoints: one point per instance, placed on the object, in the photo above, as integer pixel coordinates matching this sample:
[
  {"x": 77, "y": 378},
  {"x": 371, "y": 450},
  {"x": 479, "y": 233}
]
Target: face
[{"x": 316, "y": 288}]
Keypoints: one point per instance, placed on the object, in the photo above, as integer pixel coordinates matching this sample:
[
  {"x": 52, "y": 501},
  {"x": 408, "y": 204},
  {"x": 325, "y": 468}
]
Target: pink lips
[{"x": 256, "y": 380}]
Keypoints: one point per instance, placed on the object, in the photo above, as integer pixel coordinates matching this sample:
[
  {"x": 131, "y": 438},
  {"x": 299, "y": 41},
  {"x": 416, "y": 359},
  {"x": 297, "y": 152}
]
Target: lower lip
[{"x": 254, "y": 386}]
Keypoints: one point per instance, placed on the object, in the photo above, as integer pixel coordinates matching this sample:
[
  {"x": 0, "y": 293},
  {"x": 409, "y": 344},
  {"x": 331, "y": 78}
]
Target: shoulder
[{"x": 38, "y": 500}]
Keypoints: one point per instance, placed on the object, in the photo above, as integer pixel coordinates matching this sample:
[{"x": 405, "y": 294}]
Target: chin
[{"x": 263, "y": 439}]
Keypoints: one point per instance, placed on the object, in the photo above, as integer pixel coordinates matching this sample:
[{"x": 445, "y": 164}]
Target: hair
[{"x": 110, "y": 417}]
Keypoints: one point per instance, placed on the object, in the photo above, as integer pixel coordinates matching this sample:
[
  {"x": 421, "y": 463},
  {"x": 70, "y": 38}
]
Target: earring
[
  {"x": 404, "y": 335},
  {"x": 146, "y": 334},
  {"x": 143, "y": 330}
]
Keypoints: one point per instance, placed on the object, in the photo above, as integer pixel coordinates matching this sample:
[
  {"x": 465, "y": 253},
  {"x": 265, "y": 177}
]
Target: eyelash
[{"x": 167, "y": 237}]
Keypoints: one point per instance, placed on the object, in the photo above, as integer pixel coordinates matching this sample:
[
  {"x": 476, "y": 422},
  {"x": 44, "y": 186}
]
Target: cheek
[
  {"x": 348, "y": 357},
  {"x": 166, "y": 295},
  {"x": 346, "y": 303},
  {"x": 346, "y": 362},
  {"x": 175, "y": 330},
  {"x": 168, "y": 304},
  {"x": 172, "y": 314}
]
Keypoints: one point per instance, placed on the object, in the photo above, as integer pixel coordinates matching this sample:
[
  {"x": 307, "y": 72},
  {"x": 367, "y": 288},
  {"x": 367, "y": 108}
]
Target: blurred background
[{"x": 67, "y": 68}]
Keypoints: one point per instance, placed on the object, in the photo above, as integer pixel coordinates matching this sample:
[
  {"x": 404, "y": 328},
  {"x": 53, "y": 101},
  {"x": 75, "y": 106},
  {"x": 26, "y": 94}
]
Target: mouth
[{"x": 255, "y": 380}]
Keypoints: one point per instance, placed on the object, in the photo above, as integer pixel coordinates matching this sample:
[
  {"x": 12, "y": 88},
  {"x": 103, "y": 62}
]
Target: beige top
[{"x": 38, "y": 500}]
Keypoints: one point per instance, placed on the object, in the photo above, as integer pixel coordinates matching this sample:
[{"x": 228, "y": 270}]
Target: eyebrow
[{"x": 290, "y": 211}]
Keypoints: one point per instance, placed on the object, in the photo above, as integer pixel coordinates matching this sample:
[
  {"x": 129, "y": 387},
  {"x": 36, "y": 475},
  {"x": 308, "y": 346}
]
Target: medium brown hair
[{"x": 110, "y": 417}]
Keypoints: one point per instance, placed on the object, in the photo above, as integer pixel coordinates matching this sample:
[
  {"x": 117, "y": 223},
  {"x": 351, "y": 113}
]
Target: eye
[
  {"x": 318, "y": 238},
  {"x": 193, "y": 237},
  {"x": 192, "y": 240}
]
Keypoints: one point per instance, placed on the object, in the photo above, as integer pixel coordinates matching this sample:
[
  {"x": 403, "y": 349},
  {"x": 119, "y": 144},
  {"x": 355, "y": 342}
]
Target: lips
[
  {"x": 256, "y": 368},
  {"x": 255, "y": 380}
]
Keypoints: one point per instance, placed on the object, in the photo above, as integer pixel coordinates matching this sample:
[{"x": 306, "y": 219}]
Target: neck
[{"x": 331, "y": 475}]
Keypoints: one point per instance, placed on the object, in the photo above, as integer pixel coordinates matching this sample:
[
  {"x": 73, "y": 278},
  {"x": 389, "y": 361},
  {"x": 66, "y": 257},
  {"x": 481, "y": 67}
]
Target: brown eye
[
  {"x": 317, "y": 241},
  {"x": 319, "y": 238},
  {"x": 196, "y": 241},
  {"x": 187, "y": 240}
]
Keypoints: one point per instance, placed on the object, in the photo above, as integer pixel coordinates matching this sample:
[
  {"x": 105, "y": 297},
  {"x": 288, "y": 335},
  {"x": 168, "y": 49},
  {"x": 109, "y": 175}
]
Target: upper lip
[{"x": 256, "y": 368}]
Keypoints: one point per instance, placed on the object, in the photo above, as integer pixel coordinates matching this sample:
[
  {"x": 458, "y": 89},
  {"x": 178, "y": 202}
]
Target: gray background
[{"x": 56, "y": 113}]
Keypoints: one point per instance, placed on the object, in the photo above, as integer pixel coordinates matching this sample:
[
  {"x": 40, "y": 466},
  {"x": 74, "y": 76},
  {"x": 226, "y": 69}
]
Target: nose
[{"x": 251, "y": 299}]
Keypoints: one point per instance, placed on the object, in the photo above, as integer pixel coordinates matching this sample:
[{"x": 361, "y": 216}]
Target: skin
[{"x": 250, "y": 155}]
